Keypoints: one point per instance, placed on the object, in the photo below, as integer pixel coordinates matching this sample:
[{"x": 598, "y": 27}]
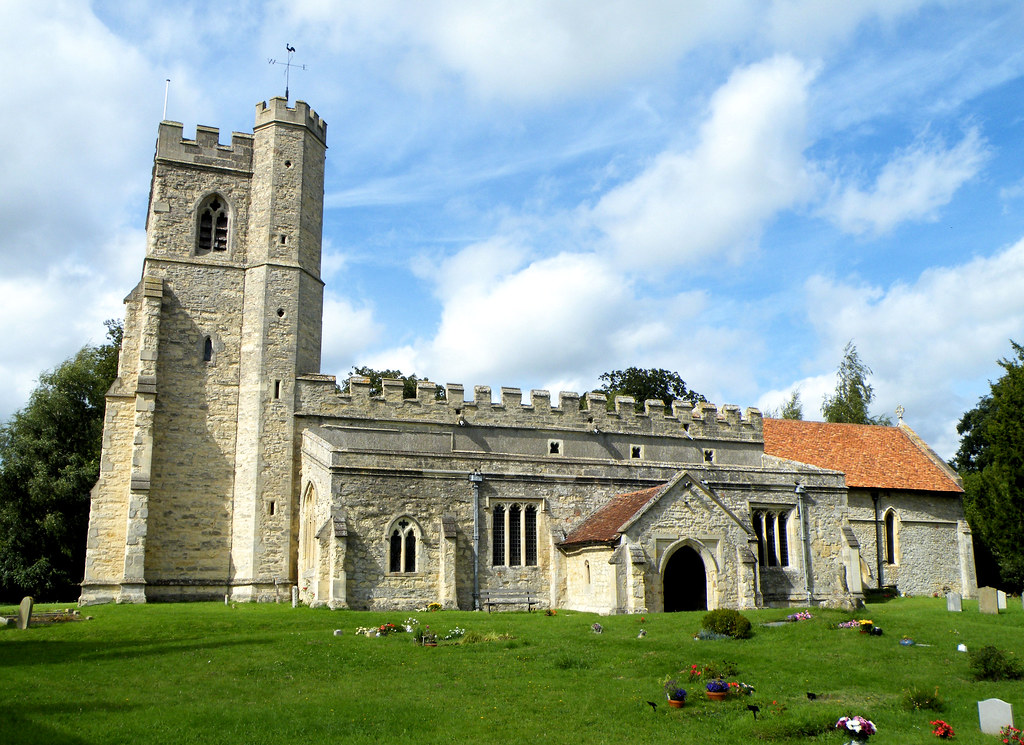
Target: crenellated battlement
[
  {"x": 277, "y": 110},
  {"x": 320, "y": 396},
  {"x": 205, "y": 150}
]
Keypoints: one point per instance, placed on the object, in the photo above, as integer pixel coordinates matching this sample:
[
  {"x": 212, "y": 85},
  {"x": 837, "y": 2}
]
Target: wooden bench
[{"x": 510, "y": 596}]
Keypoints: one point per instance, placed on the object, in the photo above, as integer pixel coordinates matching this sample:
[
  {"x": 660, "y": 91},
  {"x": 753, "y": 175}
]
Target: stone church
[{"x": 233, "y": 467}]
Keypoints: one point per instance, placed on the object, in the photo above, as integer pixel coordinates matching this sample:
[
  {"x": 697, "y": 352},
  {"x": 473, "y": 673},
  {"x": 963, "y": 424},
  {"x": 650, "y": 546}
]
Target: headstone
[
  {"x": 987, "y": 601},
  {"x": 295, "y": 596},
  {"x": 994, "y": 714},
  {"x": 25, "y": 612},
  {"x": 954, "y": 603},
  {"x": 1000, "y": 600}
]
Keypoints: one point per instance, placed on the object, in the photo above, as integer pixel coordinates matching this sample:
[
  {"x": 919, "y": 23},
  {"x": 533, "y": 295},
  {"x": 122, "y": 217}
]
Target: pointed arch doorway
[{"x": 685, "y": 581}]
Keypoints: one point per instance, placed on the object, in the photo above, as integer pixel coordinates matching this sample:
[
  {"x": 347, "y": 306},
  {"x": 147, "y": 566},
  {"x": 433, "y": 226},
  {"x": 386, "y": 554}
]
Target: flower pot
[
  {"x": 717, "y": 695},
  {"x": 675, "y": 704},
  {"x": 429, "y": 644}
]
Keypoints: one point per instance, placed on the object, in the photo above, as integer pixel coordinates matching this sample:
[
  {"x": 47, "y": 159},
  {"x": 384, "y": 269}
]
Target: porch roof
[{"x": 608, "y": 521}]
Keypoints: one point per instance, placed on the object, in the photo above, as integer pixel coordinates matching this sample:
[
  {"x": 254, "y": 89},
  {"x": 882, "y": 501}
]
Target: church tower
[{"x": 197, "y": 495}]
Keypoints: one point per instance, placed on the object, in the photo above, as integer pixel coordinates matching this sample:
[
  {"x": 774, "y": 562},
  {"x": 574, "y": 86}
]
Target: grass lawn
[{"x": 210, "y": 673}]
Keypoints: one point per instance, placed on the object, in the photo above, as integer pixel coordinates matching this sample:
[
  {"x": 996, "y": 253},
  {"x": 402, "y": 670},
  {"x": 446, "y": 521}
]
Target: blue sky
[{"x": 531, "y": 193}]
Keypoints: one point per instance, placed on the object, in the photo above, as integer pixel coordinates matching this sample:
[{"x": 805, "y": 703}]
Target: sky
[{"x": 529, "y": 193}]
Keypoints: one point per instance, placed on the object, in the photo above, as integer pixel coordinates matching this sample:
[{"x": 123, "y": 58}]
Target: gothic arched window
[
  {"x": 212, "y": 230},
  {"x": 402, "y": 546},
  {"x": 890, "y": 537}
]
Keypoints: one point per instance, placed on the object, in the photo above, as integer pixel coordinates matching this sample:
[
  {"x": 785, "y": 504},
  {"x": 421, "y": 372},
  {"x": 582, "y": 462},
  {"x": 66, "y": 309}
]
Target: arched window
[
  {"x": 890, "y": 537},
  {"x": 308, "y": 547},
  {"x": 402, "y": 546},
  {"x": 207, "y": 349},
  {"x": 514, "y": 534},
  {"x": 772, "y": 530},
  {"x": 212, "y": 228}
]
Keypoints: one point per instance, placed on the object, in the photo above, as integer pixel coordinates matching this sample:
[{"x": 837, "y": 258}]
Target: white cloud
[
  {"x": 713, "y": 200},
  {"x": 929, "y": 343},
  {"x": 347, "y": 331},
  {"x": 522, "y": 51},
  {"x": 913, "y": 185}
]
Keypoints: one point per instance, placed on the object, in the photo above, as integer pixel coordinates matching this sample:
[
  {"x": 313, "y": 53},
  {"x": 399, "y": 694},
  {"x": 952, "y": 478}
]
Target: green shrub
[
  {"x": 727, "y": 621},
  {"x": 992, "y": 663},
  {"x": 917, "y": 699}
]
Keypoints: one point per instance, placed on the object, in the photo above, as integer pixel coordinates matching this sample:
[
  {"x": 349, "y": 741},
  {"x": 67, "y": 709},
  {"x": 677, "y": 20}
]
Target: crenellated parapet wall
[
  {"x": 277, "y": 110},
  {"x": 205, "y": 150},
  {"x": 319, "y": 396}
]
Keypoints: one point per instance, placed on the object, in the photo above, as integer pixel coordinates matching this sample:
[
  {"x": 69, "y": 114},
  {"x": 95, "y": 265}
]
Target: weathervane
[{"x": 288, "y": 65}]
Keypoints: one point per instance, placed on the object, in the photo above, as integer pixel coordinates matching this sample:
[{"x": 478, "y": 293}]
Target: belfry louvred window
[{"x": 212, "y": 233}]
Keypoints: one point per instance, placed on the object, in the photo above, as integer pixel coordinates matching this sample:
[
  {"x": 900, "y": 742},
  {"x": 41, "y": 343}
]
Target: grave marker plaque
[
  {"x": 1000, "y": 600},
  {"x": 954, "y": 603}
]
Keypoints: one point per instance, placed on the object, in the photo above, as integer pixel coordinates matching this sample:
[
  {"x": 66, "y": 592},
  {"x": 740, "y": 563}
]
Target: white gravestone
[
  {"x": 1000, "y": 600},
  {"x": 295, "y": 596},
  {"x": 25, "y": 612},
  {"x": 994, "y": 714},
  {"x": 954, "y": 602}
]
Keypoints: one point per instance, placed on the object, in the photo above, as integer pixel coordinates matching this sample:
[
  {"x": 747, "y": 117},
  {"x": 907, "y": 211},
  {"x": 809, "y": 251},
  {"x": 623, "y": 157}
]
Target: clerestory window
[
  {"x": 772, "y": 530},
  {"x": 514, "y": 534},
  {"x": 212, "y": 230}
]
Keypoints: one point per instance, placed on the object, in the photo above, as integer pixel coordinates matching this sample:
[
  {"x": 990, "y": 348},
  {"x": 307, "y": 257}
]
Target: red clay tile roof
[
  {"x": 604, "y": 525},
  {"x": 872, "y": 457}
]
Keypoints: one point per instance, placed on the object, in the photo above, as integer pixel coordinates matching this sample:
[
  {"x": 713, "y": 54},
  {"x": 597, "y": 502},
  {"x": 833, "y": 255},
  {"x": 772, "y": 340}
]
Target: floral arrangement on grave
[
  {"x": 1011, "y": 734},
  {"x": 425, "y": 636},
  {"x": 854, "y": 624},
  {"x": 866, "y": 626},
  {"x": 717, "y": 686},
  {"x": 800, "y": 616},
  {"x": 597, "y": 628},
  {"x": 695, "y": 672},
  {"x": 551, "y": 612},
  {"x": 386, "y": 629},
  {"x": 674, "y": 691},
  {"x": 942, "y": 730},
  {"x": 858, "y": 728},
  {"x": 736, "y": 686},
  {"x": 456, "y": 633}
]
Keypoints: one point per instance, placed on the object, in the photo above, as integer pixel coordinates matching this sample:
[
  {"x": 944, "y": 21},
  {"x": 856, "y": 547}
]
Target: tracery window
[
  {"x": 212, "y": 230},
  {"x": 402, "y": 546},
  {"x": 514, "y": 534},
  {"x": 772, "y": 530}
]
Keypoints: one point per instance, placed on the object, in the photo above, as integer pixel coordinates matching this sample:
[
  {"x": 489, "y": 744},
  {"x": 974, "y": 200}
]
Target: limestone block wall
[
  {"x": 929, "y": 555},
  {"x": 591, "y": 580}
]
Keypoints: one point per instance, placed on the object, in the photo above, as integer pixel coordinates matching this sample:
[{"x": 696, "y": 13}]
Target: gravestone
[
  {"x": 1000, "y": 600},
  {"x": 295, "y": 596},
  {"x": 25, "y": 612},
  {"x": 954, "y": 602},
  {"x": 994, "y": 714},
  {"x": 987, "y": 601}
]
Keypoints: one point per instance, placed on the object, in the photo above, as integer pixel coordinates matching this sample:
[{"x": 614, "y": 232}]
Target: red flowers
[{"x": 943, "y": 730}]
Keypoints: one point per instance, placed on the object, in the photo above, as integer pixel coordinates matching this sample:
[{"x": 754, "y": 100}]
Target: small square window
[
  {"x": 636, "y": 452},
  {"x": 554, "y": 447},
  {"x": 709, "y": 456}
]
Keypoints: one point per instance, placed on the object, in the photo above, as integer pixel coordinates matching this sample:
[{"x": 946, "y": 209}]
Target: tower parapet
[
  {"x": 205, "y": 150},
  {"x": 277, "y": 110}
]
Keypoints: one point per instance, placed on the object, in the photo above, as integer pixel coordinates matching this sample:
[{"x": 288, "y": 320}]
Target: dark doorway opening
[{"x": 686, "y": 582}]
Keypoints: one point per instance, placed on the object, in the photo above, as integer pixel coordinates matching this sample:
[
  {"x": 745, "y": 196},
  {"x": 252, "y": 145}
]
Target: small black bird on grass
[
  {"x": 653, "y": 705},
  {"x": 812, "y": 696},
  {"x": 753, "y": 709}
]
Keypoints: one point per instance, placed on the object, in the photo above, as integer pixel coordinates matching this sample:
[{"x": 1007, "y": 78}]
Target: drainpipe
[
  {"x": 476, "y": 478},
  {"x": 801, "y": 508},
  {"x": 878, "y": 540}
]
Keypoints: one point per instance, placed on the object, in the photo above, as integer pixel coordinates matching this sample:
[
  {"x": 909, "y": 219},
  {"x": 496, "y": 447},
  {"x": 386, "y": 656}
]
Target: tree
[
  {"x": 792, "y": 409},
  {"x": 642, "y": 385},
  {"x": 991, "y": 462},
  {"x": 49, "y": 461},
  {"x": 409, "y": 382},
  {"x": 853, "y": 393}
]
